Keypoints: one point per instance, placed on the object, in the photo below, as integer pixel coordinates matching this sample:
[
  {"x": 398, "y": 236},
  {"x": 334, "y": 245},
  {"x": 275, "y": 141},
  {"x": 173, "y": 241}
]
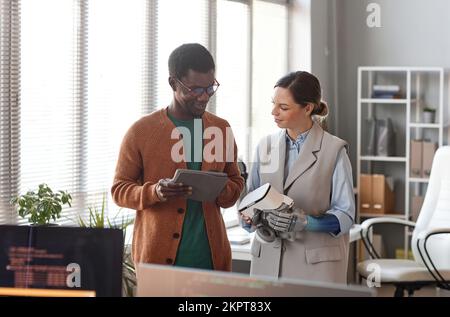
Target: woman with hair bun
[{"x": 312, "y": 168}]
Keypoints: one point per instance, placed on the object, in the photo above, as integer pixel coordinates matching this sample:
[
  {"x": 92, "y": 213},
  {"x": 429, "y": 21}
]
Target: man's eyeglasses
[{"x": 197, "y": 92}]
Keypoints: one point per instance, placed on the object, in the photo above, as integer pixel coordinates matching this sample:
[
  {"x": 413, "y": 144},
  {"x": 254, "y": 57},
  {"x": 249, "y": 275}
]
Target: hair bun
[{"x": 323, "y": 109}]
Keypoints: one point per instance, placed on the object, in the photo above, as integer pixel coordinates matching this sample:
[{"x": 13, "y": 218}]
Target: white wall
[
  {"x": 412, "y": 33},
  {"x": 324, "y": 54}
]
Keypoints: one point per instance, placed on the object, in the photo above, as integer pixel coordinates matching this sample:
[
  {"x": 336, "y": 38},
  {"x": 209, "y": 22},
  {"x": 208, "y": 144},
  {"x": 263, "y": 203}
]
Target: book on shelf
[
  {"x": 386, "y": 92},
  {"x": 388, "y": 88}
]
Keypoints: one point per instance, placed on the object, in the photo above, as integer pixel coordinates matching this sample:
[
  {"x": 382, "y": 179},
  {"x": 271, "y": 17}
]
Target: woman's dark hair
[
  {"x": 190, "y": 56},
  {"x": 305, "y": 88}
]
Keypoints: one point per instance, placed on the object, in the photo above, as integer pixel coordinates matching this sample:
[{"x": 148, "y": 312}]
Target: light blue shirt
[{"x": 342, "y": 204}]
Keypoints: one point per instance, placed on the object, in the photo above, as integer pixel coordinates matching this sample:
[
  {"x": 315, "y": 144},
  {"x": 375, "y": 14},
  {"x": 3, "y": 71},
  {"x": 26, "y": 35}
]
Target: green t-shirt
[{"x": 194, "y": 250}]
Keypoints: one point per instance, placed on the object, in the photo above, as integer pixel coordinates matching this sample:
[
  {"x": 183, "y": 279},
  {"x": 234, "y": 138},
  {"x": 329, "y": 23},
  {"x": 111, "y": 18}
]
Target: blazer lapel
[
  {"x": 271, "y": 155},
  {"x": 307, "y": 156},
  {"x": 279, "y": 174}
]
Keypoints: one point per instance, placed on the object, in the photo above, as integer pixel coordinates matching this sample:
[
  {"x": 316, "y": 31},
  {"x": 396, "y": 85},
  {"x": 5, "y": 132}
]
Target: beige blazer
[{"x": 313, "y": 255}]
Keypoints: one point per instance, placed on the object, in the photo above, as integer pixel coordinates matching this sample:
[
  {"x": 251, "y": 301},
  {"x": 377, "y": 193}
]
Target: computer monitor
[
  {"x": 158, "y": 280},
  {"x": 61, "y": 258}
]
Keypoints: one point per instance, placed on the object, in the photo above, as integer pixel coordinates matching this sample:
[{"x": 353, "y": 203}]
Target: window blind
[
  {"x": 115, "y": 74},
  {"x": 9, "y": 106},
  {"x": 233, "y": 66},
  {"x": 51, "y": 109},
  {"x": 179, "y": 22},
  {"x": 72, "y": 82},
  {"x": 269, "y": 24}
]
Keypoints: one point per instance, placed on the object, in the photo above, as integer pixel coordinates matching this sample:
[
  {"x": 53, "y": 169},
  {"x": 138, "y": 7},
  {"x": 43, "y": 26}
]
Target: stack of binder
[
  {"x": 380, "y": 137},
  {"x": 377, "y": 194},
  {"x": 422, "y": 154}
]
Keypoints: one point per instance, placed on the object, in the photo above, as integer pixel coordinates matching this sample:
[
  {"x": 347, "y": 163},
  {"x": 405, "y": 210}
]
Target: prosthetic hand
[
  {"x": 286, "y": 221},
  {"x": 263, "y": 202}
]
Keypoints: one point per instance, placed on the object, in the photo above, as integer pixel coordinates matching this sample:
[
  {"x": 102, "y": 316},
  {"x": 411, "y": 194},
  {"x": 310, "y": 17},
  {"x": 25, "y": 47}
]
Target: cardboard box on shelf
[
  {"x": 428, "y": 150},
  {"x": 416, "y": 205},
  {"x": 366, "y": 193},
  {"x": 416, "y": 158},
  {"x": 376, "y": 194},
  {"x": 383, "y": 194}
]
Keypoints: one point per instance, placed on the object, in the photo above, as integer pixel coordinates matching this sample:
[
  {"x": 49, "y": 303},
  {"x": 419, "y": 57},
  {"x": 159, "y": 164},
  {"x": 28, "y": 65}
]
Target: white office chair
[{"x": 430, "y": 241}]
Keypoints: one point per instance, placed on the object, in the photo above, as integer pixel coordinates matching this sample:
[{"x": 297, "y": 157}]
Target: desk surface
[
  {"x": 242, "y": 251},
  {"x": 38, "y": 292}
]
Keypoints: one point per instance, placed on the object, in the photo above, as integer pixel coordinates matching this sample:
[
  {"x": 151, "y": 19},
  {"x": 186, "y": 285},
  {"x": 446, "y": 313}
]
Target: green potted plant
[
  {"x": 42, "y": 206},
  {"x": 428, "y": 115},
  {"x": 98, "y": 219}
]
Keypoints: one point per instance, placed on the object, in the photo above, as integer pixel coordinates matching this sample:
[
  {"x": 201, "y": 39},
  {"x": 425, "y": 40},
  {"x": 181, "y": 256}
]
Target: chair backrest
[{"x": 435, "y": 212}]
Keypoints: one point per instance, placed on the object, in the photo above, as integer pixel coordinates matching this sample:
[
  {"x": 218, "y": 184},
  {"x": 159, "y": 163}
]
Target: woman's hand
[{"x": 246, "y": 219}]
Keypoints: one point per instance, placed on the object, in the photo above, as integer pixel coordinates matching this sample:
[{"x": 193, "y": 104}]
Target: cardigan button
[
  {"x": 180, "y": 210},
  {"x": 169, "y": 261},
  {"x": 176, "y": 235}
]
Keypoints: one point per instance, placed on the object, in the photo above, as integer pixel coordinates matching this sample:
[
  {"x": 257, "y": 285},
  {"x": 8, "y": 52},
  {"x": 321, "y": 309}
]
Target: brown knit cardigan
[{"x": 145, "y": 157}]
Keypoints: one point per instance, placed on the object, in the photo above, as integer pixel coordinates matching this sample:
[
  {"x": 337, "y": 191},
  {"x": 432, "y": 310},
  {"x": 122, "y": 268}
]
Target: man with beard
[{"x": 170, "y": 228}]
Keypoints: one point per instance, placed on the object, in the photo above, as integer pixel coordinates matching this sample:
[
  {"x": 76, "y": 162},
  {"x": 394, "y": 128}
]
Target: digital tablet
[{"x": 206, "y": 185}]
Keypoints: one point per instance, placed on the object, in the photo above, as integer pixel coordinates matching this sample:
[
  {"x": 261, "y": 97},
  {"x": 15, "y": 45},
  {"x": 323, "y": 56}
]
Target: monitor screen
[
  {"x": 62, "y": 258},
  {"x": 158, "y": 280}
]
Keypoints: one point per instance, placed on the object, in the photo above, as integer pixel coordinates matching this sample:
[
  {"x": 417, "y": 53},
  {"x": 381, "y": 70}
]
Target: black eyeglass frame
[{"x": 201, "y": 90}]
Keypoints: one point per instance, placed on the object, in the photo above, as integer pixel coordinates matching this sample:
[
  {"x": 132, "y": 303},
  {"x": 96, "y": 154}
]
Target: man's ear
[{"x": 172, "y": 83}]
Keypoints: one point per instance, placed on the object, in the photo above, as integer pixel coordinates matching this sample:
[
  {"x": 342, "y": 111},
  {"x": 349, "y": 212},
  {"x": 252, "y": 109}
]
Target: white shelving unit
[{"x": 420, "y": 86}]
